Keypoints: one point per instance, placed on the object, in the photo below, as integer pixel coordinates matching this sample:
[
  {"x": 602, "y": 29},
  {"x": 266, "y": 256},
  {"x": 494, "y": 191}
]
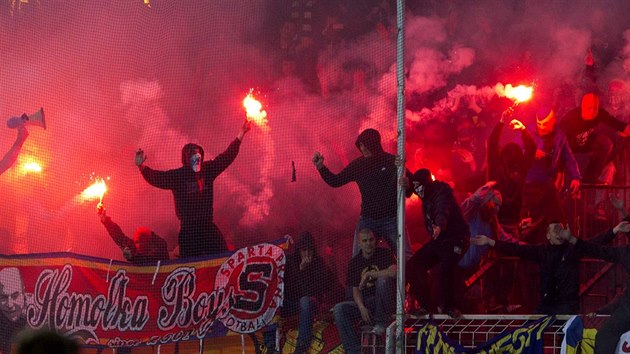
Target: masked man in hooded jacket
[
  {"x": 375, "y": 172},
  {"x": 445, "y": 223},
  {"x": 192, "y": 187}
]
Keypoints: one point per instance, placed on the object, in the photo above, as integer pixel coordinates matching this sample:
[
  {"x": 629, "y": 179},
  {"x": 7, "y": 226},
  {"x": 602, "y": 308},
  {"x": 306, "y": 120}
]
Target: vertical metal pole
[{"x": 400, "y": 84}]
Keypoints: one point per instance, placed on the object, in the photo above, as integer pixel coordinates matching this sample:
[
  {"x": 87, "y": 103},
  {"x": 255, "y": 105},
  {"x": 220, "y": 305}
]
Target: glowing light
[
  {"x": 518, "y": 94},
  {"x": 31, "y": 167},
  {"x": 253, "y": 108},
  {"x": 95, "y": 191}
]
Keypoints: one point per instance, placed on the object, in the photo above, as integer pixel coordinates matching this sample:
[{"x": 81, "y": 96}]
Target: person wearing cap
[
  {"x": 449, "y": 233},
  {"x": 11, "y": 156},
  {"x": 580, "y": 125},
  {"x": 192, "y": 186},
  {"x": 376, "y": 175},
  {"x": 541, "y": 196},
  {"x": 309, "y": 283}
]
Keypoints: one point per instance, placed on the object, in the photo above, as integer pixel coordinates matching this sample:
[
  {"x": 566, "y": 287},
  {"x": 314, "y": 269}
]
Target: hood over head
[
  {"x": 371, "y": 139},
  {"x": 188, "y": 150}
]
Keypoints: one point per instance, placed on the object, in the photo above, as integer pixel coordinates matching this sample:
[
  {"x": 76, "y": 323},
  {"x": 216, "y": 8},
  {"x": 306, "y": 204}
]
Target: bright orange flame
[
  {"x": 31, "y": 167},
  {"x": 520, "y": 93},
  {"x": 95, "y": 191},
  {"x": 253, "y": 108}
]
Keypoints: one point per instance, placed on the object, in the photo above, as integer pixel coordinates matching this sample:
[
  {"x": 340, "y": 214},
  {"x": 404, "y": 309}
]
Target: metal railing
[{"x": 471, "y": 331}]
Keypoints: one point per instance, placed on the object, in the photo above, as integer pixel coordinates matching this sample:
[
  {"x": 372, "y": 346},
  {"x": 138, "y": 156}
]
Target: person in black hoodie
[
  {"x": 309, "y": 283},
  {"x": 608, "y": 335},
  {"x": 192, "y": 187},
  {"x": 449, "y": 232},
  {"x": 508, "y": 166},
  {"x": 376, "y": 175}
]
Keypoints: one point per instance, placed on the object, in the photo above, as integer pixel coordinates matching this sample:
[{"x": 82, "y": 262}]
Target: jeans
[
  {"x": 381, "y": 307},
  {"x": 306, "y": 308},
  {"x": 435, "y": 252},
  {"x": 200, "y": 239},
  {"x": 387, "y": 229}
]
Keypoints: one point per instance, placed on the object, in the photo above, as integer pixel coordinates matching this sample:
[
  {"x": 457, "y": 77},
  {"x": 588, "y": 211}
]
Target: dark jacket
[
  {"x": 559, "y": 157},
  {"x": 314, "y": 280},
  {"x": 376, "y": 176},
  {"x": 157, "y": 244},
  {"x": 192, "y": 204},
  {"x": 619, "y": 255},
  {"x": 8, "y": 331},
  {"x": 579, "y": 132},
  {"x": 441, "y": 209},
  {"x": 559, "y": 271},
  {"x": 508, "y": 166}
]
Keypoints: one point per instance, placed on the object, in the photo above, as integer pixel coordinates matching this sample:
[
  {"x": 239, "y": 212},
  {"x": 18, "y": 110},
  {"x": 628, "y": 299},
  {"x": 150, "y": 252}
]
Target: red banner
[{"x": 111, "y": 303}]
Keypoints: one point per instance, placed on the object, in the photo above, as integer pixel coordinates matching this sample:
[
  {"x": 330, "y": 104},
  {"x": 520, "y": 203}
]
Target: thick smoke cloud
[{"x": 117, "y": 76}]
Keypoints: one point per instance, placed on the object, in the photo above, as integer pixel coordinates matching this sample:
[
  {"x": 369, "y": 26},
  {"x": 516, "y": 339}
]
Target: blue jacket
[
  {"x": 471, "y": 208},
  {"x": 561, "y": 157}
]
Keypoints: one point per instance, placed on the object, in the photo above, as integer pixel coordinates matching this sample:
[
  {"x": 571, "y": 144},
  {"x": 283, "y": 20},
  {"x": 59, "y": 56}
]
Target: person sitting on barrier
[
  {"x": 608, "y": 335},
  {"x": 309, "y": 282},
  {"x": 145, "y": 248},
  {"x": 559, "y": 266},
  {"x": 371, "y": 275}
]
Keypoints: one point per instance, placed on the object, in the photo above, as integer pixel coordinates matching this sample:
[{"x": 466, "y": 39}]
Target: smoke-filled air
[{"x": 113, "y": 77}]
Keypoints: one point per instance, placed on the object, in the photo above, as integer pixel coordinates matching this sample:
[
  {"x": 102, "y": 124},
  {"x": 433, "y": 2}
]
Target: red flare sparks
[
  {"x": 95, "y": 191},
  {"x": 518, "y": 94},
  {"x": 253, "y": 107}
]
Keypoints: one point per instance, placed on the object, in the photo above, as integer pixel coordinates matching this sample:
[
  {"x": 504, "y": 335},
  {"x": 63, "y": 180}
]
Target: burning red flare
[
  {"x": 518, "y": 94},
  {"x": 95, "y": 191},
  {"x": 253, "y": 108},
  {"x": 31, "y": 167}
]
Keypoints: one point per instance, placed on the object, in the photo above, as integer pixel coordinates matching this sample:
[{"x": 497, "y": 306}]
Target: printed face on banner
[{"x": 12, "y": 297}]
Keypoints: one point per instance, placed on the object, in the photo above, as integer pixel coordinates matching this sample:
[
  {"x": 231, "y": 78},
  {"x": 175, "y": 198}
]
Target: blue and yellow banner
[{"x": 527, "y": 339}]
